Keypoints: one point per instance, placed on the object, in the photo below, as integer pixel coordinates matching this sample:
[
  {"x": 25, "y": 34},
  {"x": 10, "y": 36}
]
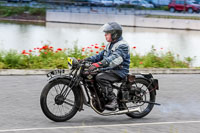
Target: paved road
[{"x": 179, "y": 113}]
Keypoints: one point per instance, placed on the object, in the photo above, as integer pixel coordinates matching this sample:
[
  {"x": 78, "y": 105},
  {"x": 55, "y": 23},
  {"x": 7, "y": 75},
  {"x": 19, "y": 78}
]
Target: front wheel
[
  {"x": 144, "y": 99},
  {"x": 57, "y": 107}
]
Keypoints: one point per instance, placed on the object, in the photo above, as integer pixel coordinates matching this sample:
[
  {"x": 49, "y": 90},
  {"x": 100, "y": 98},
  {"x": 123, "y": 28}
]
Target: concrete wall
[{"x": 125, "y": 20}]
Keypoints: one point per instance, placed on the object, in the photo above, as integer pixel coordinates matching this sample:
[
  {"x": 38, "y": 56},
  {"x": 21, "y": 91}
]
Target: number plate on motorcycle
[{"x": 55, "y": 73}]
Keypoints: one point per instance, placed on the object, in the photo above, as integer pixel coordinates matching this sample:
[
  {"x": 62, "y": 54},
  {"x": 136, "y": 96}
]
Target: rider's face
[{"x": 108, "y": 37}]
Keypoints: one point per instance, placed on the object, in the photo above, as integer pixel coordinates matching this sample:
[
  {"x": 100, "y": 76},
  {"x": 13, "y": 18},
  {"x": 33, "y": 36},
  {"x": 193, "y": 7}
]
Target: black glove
[{"x": 95, "y": 66}]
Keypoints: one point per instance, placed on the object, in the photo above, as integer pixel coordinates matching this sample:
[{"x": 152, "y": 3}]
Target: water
[{"x": 59, "y": 35}]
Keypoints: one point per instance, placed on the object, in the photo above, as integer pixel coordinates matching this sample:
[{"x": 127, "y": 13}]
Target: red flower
[
  {"x": 50, "y": 47},
  {"x": 91, "y": 50},
  {"x": 96, "y": 47},
  {"x": 83, "y": 50},
  {"x": 38, "y": 48},
  {"x": 97, "y": 52},
  {"x": 26, "y": 54},
  {"x": 45, "y": 47},
  {"x": 141, "y": 62},
  {"x": 45, "y": 52},
  {"x": 92, "y": 45},
  {"x": 30, "y": 51},
  {"x": 24, "y": 51},
  {"x": 96, "y": 44},
  {"x": 103, "y": 46},
  {"x": 35, "y": 48},
  {"x": 134, "y": 47},
  {"x": 59, "y": 49}
]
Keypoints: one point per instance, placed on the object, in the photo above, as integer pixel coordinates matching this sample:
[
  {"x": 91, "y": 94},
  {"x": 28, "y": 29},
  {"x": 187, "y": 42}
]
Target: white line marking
[{"x": 98, "y": 126}]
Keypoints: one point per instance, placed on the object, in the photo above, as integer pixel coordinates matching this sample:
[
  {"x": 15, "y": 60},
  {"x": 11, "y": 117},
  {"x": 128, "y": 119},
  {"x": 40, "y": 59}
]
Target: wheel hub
[{"x": 59, "y": 99}]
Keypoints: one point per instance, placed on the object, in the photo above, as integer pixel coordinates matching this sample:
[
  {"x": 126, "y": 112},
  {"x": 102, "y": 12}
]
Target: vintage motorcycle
[{"x": 65, "y": 94}]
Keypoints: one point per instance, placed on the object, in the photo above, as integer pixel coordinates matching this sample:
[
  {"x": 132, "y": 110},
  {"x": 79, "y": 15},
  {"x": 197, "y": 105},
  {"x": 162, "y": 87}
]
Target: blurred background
[{"x": 159, "y": 25}]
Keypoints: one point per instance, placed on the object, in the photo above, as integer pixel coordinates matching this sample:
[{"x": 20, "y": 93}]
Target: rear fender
[{"x": 150, "y": 80}]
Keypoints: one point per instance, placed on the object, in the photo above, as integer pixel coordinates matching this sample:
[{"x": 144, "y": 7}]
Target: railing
[{"x": 102, "y": 10}]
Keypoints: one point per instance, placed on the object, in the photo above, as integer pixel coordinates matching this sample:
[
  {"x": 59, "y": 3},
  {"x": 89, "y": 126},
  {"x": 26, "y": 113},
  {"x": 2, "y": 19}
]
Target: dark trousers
[{"x": 105, "y": 79}]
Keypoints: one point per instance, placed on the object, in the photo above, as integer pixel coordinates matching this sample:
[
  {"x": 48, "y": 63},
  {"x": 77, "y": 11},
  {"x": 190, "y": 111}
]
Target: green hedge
[{"x": 10, "y": 11}]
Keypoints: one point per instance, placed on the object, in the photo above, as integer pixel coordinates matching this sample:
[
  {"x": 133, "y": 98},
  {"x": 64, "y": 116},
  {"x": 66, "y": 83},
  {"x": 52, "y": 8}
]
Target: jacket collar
[{"x": 117, "y": 40}]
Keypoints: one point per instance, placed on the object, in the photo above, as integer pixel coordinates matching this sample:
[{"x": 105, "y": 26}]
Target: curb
[
  {"x": 166, "y": 70},
  {"x": 136, "y": 70}
]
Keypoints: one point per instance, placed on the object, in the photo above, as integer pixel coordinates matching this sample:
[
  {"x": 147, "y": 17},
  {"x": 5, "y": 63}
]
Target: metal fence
[{"x": 102, "y": 10}]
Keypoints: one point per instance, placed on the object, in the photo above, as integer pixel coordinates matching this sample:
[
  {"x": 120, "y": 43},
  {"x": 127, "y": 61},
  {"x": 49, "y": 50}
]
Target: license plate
[{"x": 55, "y": 73}]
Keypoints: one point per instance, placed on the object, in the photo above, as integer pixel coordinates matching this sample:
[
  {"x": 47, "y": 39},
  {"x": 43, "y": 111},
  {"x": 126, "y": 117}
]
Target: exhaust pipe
[
  {"x": 115, "y": 112},
  {"x": 128, "y": 111}
]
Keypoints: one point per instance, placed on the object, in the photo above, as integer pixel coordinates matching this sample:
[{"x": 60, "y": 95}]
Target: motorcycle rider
[{"x": 114, "y": 59}]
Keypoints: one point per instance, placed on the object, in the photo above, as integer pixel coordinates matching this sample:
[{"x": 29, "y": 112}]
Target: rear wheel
[
  {"x": 143, "y": 100},
  {"x": 54, "y": 105}
]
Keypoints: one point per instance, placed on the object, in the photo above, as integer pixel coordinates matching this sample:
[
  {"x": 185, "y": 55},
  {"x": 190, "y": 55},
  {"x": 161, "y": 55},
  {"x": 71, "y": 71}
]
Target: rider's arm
[
  {"x": 96, "y": 58},
  {"x": 117, "y": 57}
]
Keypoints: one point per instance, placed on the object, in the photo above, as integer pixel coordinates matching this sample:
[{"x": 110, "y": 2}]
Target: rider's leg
[{"x": 105, "y": 79}]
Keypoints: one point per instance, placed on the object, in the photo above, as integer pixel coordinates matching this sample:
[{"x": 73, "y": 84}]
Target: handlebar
[{"x": 87, "y": 64}]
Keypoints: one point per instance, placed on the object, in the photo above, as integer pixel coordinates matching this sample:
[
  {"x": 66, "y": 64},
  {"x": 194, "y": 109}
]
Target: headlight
[
  {"x": 69, "y": 60},
  {"x": 72, "y": 62}
]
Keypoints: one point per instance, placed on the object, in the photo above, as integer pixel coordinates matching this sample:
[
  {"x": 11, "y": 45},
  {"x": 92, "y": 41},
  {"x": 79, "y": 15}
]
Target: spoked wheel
[
  {"x": 57, "y": 106},
  {"x": 142, "y": 100}
]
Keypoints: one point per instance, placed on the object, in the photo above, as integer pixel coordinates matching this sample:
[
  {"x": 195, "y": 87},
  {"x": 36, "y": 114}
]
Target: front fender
[{"x": 60, "y": 77}]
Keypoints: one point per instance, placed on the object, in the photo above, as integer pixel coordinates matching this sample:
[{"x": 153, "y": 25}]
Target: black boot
[{"x": 112, "y": 105}]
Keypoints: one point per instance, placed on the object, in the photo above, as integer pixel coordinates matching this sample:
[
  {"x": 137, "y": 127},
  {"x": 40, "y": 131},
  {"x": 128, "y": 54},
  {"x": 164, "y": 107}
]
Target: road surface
[{"x": 179, "y": 112}]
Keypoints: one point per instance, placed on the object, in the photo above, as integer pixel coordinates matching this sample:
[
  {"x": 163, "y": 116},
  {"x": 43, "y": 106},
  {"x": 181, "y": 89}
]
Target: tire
[
  {"x": 172, "y": 9},
  {"x": 48, "y": 92},
  {"x": 190, "y": 10},
  {"x": 149, "y": 105}
]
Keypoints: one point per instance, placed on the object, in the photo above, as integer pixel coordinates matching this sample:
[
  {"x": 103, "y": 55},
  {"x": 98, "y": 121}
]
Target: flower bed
[{"x": 47, "y": 57}]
